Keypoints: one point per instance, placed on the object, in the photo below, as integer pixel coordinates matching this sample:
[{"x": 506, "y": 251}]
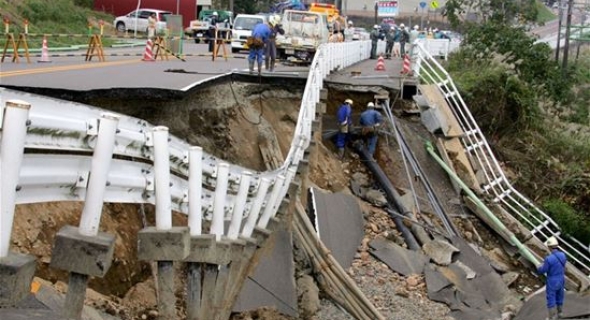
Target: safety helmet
[
  {"x": 215, "y": 13},
  {"x": 402, "y": 25},
  {"x": 370, "y": 105},
  {"x": 274, "y": 20},
  {"x": 416, "y": 27},
  {"x": 348, "y": 101},
  {"x": 551, "y": 242},
  {"x": 375, "y": 27},
  {"x": 350, "y": 22}
]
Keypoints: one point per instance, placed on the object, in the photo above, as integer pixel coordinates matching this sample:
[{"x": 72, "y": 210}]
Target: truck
[
  {"x": 198, "y": 28},
  {"x": 305, "y": 31}
]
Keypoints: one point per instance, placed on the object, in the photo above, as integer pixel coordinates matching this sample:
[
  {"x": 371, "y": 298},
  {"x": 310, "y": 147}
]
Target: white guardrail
[
  {"x": 56, "y": 158},
  {"x": 497, "y": 185}
]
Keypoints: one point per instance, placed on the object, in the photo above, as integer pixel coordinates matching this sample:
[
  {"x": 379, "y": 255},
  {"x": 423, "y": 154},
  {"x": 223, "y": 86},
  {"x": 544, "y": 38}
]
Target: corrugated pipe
[
  {"x": 521, "y": 247},
  {"x": 391, "y": 194}
]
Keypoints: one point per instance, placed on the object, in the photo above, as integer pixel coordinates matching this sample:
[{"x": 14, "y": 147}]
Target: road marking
[{"x": 65, "y": 68}]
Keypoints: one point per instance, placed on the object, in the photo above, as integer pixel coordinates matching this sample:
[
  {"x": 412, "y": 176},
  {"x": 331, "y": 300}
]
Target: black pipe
[{"x": 391, "y": 194}]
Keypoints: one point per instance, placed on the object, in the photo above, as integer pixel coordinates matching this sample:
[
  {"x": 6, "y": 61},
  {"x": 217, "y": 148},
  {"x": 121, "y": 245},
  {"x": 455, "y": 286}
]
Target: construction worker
[
  {"x": 414, "y": 34},
  {"x": 374, "y": 39},
  {"x": 152, "y": 25},
  {"x": 389, "y": 39},
  {"x": 256, "y": 43},
  {"x": 214, "y": 19},
  {"x": 271, "y": 46},
  {"x": 554, "y": 267},
  {"x": 370, "y": 121},
  {"x": 344, "y": 117},
  {"x": 403, "y": 39}
]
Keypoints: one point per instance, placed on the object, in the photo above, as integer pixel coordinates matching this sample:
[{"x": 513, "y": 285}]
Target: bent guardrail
[{"x": 496, "y": 184}]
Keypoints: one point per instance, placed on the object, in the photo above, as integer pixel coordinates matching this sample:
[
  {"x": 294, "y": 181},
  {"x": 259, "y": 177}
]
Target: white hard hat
[
  {"x": 370, "y": 105},
  {"x": 214, "y": 13},
  {"x": 551, "y": 242},
  {"x": 274, "y": 19},
  {"x": 348, "y": 101},
  {"x": 402, "y": 25},
  {"x": 350, "y": 22},
  {"x": 375, "y": 27},
  {"x": 416, "y": 27}
]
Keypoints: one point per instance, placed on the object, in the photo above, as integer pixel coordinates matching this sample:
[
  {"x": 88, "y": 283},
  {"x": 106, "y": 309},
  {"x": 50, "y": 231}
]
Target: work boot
[
  {"x": 559, "y": 312},
  {"x": 340, "y": 153},
  {"x": 259, "y": 67},
  {"x": 251, "y": 66},
  {"x": 552, "y": 314},
  {"x": 272, "y": 66},
  {"x": 267, "y": 65}
]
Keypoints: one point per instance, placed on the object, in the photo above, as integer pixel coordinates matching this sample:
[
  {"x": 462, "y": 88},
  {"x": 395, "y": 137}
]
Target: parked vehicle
[
  {"x": 138, "y": 20},
  {"x": 242, "y": 29},
  {"x": 360, "y": 34},
  {"x": 198, "y": 28},
  {"x": 304, "y": 32}
]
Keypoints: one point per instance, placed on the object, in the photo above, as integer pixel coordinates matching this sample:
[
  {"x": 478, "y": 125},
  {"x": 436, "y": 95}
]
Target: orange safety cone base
[
  {"x": 147, "y": 54},
  {"x": 380, "y": 64},
  {"x": 44, "y": 52}
]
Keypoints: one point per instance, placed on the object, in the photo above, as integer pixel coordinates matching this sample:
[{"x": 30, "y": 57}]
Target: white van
[{"x": 242, "y": 29}]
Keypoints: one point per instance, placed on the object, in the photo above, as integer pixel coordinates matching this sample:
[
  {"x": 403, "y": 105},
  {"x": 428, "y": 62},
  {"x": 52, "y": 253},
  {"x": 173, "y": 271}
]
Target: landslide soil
[{"x": 229, "y": 121}]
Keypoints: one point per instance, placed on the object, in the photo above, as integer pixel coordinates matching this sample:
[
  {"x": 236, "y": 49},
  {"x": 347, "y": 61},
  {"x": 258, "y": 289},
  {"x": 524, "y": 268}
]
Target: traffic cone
[
  {"x": 147, "y": 54},
  {"x": 44, "y": 52},
  {"x": 407, "y": 65},
  {"x": 380, "y": 64}
]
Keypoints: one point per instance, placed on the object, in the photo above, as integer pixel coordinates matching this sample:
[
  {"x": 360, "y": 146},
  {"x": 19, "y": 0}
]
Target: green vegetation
[
  {"x": 535, "y": 114},
  {"x": 544, "y": 14},
  {"x": 51, "y": 17}
]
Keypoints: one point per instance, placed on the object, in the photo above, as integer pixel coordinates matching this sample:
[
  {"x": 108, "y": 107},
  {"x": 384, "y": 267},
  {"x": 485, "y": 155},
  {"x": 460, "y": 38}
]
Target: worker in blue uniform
[
  {"x": 256, "y": 43},
  {"x": 554, "y": 267},
  {"x": 344, "y": 117},
  {"x": 370, "y": 121}
]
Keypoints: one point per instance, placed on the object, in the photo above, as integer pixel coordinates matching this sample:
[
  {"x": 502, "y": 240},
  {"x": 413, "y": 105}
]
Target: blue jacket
[
  {"x": 344, "y": 114},
  {"x": 262, "y": 32},
  {"x": 370, "y": 117},
  {"x": 554, "y": 267}
]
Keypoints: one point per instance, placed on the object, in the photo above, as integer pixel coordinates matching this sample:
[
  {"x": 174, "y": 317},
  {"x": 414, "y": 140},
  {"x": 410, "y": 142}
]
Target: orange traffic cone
[
  {"x": 406, "y": 68},
  {"x": 44, "y": 52},
  {"x": 380, "y": 64},
  {"x": 147, "y": 54}
]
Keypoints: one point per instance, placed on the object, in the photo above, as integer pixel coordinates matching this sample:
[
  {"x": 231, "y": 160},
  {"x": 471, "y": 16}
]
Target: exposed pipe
[
  {"x": 521, "y": 247},
  {"x": 392, "y": 196}
]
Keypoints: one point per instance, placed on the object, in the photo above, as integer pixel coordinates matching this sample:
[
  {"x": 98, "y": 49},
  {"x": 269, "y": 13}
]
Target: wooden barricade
[
  {"x": 95, "y": 48},
  {"x": 15, "y": 46},
  {"x": 221, "y": 37},
  {"x": 160, "y": 43}
]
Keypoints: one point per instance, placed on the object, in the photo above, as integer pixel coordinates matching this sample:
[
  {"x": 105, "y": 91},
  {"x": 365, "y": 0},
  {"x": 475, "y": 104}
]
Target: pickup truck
[
  {"x": 197, "y": 29},
  {"x": 305, "y": 31}
]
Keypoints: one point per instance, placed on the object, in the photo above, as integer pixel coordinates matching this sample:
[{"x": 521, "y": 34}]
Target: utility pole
[
  {"x": 560, "y": 12},
  {"x": 231, "y": 5},
  {"x": 566, "y": 48},
  {"x": 376, "y": 10}
]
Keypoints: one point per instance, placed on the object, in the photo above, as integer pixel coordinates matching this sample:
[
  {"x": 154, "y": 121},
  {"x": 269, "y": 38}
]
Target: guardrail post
[
  {"x": 163, "y": 243},
  {"x": 16, "y": 269},
  {"x": 84, "y": 251}
]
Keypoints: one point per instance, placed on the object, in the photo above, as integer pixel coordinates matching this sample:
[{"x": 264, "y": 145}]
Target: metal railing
[
  {"x": 496, "y": 184},
  {"x": 61, "y": 138}
]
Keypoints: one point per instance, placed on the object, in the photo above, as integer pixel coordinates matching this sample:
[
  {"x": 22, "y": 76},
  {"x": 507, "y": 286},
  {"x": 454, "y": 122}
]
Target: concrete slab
[
  {"x": 29, "y": 314},
  {"x": 340, "y": 223},
  {"x": 273, "y": 283},
  {"x": 368, "y": 76},
  {"x": 435, "y": 281},
  {"x": 575, "y": 306},
  {"x": 471, "y": 314},
  {"x": 399, "y": 259},
  {"x": 441, "y": 252}
]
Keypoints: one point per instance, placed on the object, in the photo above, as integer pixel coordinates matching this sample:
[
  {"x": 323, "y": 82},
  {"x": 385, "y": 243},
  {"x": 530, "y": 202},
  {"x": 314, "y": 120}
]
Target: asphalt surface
[{"x": 124, "y": 68}]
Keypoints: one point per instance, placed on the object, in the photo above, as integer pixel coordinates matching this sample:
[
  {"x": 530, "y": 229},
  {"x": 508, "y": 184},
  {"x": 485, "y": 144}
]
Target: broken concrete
[
  {"x": 441, "y": 252},
  {"x": 399, "y": 259},
  {"x": 339, "y": 214},
  {"x": 575, "y": 306}
]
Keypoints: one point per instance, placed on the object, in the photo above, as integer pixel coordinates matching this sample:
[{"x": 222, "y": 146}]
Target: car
[
  {"x": 242, "y": 29},
  {"x": 139, "y": 18}
]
